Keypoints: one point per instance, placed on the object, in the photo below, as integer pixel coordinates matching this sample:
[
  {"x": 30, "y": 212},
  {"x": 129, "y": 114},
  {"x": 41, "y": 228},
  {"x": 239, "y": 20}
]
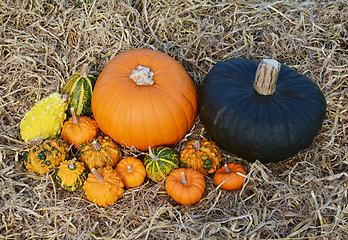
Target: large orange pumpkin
[{"x": 144, "y": 98}]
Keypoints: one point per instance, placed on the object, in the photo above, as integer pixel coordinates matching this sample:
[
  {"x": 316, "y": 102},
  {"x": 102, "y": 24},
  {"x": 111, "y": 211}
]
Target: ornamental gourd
[
  {"x": 79, "y": 130},
  {"x": 132, "y": 171},
  {"x": 231, "y": 176},
  {"x": 185, "y": 185},
  {"x": 144, "y": 98},
  {"x": 202, "y": 155},
  {"x": 103, "y": 186},
  {"x": 71, "y": 174},
  {"x": 45, "y": 119},
  {"x": 160, "y": 162},
  {"x": 99, "y": 153},
  {"x": 260, "y": 110},
  {"x": 79, "y": 88},
  {"x": 46, "y": 156}
]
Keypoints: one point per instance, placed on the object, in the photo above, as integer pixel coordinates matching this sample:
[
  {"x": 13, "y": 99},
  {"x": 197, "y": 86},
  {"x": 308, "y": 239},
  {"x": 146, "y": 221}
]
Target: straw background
[{"x": 43, "y": 42}]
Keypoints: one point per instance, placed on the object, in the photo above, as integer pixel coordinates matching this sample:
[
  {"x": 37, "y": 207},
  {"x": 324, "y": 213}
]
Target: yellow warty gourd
[{"x": 45, "y": 119}]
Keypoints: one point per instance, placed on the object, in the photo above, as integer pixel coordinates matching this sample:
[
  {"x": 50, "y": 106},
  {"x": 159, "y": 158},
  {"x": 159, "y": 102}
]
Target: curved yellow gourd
[{"x": 45, "y": 119}]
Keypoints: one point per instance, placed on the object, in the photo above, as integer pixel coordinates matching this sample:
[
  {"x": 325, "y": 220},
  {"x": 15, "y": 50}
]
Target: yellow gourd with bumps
[{"x": 45, "y": 119}]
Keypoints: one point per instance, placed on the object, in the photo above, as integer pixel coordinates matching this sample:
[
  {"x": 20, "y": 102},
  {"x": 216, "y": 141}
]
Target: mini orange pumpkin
[
  {"x": 100, "y": 152},
  {"x": 79, "y": 130},
  {"x": 229, "y": 173},
  {"x": 185, "y": 185},
  {"x": 132, "y": 171},
  {"x": 103, "y": 186}
]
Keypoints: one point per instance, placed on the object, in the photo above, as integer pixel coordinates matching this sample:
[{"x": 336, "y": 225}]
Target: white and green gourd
[{"x": 45, "y": 119}]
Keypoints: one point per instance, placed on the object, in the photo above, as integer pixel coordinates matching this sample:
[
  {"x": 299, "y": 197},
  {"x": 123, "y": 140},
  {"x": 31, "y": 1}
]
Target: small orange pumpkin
[
  {"x": 229, "y": 173},
  {"x": 79, "y": 130},
  {"x": 132, "y": 171},
  {"x": 185, "y": 185}
]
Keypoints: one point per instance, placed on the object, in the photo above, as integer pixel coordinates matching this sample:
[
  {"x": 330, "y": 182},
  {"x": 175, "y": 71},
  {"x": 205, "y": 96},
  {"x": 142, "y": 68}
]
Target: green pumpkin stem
[
  {"x": 266, "y": 76},
  {"x": 227, "y": 170},
  {"x": 96, "y": 145},
  {"x": 74, "y": 116},
  {"x": 83, "y": 71},
  {"x": 197, "y": 145},
  {"x": 142, "y": 76},
  {"x": 153, "y": 156},
  {"x": 97, "y": 175},
  {"x": 183, "y": 178},
  {"x": 72, "y": 165}
]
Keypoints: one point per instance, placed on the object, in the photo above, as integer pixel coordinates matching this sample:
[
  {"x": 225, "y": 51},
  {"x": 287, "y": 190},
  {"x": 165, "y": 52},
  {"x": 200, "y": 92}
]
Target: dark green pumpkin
[
  {"x": 160, "y": 162},
  {"x": 79, "y": 88},
  {"x": 269, "y": 128}
]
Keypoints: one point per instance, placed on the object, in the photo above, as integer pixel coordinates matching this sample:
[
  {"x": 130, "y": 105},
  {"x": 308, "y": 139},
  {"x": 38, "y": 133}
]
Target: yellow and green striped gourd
[
  {"x": 79, "y": 88},
  {"x": 160, "y": 162}
]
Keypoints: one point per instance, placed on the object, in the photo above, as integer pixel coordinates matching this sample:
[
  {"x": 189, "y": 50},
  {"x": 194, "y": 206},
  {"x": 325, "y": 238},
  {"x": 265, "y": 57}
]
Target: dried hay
[{"x": 305, "y": 197}]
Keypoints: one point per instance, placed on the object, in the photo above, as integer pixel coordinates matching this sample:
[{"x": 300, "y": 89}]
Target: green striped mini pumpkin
[
  {"x": 80, "y": 87},
  {"x": 160, "y": 162}
]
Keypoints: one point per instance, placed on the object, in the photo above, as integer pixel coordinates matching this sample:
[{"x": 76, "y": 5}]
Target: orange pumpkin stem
[
  {"x": 129, "y": 168},
  {"x": 72, "y": 165},
  {"x": 183, "y": 178},
  {"x": 96, "y": 145},
  {"x": 153, "y": 156},
  {"x": 197, "y": 145},
  {"x": 266, "y": 76},
  {"x": 83, "y": 71},
  {"x": 142, "y": 76},
  {"x": 227, "y": 170},
  {"x": 97, "y": 175},
  {"x": 74, "y": 116}
]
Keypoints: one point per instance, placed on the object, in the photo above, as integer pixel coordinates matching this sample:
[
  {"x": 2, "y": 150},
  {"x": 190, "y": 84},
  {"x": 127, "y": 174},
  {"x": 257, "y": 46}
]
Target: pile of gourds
[{"x": 145, "y": 100}]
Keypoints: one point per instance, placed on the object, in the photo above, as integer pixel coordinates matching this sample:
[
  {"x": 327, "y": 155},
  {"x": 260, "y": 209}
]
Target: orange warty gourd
[
  {"x": 229, "y": 172},
  {"x": 103, "y": 186},
  {"x": 144, "y": 98},
  {"x": 99, "y": 153}
]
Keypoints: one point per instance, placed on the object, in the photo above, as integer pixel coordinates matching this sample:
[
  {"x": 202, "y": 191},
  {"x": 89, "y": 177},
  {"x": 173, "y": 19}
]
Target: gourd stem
[
  {"x": 142, "y": 76},
  {"x": 129, "y": 168},
  {"x": 183, "y": 178},
  {"x": 227, "y": 170},
  {"x": 83, "y": 71},
  {"x": 153, "y": 156},
  {"x": 96, "y": 145},
  {"x": 74, "y": 116},
  {"x": 197, "y": 145},
  {"x": 72, "y": 165},
  {"x": 97, "y": 175},
  {"x": 65, "y": 97},
  {"x": 266, "y": 76}
]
